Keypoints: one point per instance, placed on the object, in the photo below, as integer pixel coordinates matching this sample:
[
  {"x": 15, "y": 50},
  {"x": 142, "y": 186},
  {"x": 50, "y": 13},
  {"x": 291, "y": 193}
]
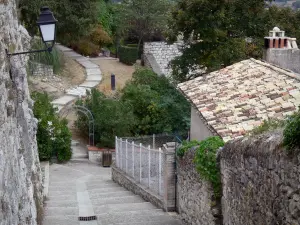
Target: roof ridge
[{"x": 277, "y": 68}]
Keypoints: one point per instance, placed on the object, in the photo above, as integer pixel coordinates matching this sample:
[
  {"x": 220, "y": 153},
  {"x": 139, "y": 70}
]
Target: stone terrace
[{"x": 237, "y": 98}]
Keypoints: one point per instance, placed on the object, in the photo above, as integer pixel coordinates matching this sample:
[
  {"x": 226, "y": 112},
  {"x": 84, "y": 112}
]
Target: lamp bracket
[{"x": 28, "y": 52}]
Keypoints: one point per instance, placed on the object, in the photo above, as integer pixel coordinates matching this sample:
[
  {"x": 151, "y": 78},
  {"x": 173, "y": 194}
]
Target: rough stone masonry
[
  {"x": 261, "y": 183},
  {"x": 20, "y": 173}
]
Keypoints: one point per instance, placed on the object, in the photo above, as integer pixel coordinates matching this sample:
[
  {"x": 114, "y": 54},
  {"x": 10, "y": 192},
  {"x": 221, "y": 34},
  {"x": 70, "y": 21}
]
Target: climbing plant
[{"x": 206, "y": 160}]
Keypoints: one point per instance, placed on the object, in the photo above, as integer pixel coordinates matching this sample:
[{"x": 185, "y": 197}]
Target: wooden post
[
  {"x": 132, "y": 159},
  {"x": 159, "y": 171},
  {"x": 140, "y": 162}
]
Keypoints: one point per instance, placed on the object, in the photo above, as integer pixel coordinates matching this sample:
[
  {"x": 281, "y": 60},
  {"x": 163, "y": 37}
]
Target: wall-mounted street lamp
[{"x": 47, "y": 28}]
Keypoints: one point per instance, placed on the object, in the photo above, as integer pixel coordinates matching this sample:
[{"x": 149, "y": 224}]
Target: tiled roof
[{"x": 235, "y": 99}]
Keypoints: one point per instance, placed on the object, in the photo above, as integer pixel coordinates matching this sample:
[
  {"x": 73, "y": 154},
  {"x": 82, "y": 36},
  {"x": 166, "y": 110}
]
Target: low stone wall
[
  {"x": 195, "y": 199},
  {"x": 161, "y": 54},
  {"x": 41, "y": 70},
  {"x": 260, "y": 182},
  {"x": 121, "y": 178}
]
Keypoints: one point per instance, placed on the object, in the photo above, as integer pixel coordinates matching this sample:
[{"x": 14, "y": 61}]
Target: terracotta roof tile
[{"x": 239, "y": 97}]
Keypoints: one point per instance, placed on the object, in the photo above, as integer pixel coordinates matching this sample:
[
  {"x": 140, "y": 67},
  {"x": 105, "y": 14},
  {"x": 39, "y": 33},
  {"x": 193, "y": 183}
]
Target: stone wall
[
  {"x": 158, "y": 55},
  {"x": 195, "y": 199},
  {"x": 260, "y": 182},
  {"x": 41, "y": 70},
  {"x": 284, "y": 58},
  {"x": 20, "y": 173}
]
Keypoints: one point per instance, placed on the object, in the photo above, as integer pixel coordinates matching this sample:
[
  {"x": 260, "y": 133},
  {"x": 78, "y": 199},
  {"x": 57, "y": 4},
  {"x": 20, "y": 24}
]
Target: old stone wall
[
  {"x": 284, "y": 58},
  {"x": 195, "y": 200},
  {"x": 260, "y": 182},
  {"x": 41, "y": 70},
  {"x": 20, "y": 173},
  {"x": 158, "y": 55}
]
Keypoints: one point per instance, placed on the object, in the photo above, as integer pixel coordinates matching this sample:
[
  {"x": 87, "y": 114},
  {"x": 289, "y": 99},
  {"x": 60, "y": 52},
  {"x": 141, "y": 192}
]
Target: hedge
[
  {"x": 128, "y": 55},
  {"x": 140, "y": 52}
]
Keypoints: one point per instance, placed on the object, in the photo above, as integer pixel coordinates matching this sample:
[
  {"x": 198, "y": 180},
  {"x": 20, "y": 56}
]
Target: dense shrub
[
  {"x": 292, "y": 133},
  {"x": 140, "y": 51},
  {"x": 100, "y": 37},
  {"x": 53, "y": 135},
  {"x": 128, "y": 55},
  {"x": 86, "y": 48},
  {"x": 148, "y": 104}
]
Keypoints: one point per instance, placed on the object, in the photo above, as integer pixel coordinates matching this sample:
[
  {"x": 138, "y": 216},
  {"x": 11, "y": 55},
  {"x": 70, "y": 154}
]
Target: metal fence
[{"x": 144, "y": 163}]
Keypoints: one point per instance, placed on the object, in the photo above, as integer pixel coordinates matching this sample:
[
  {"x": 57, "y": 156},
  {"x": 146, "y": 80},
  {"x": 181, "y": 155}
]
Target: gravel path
[{"x": 108, "y": 66}]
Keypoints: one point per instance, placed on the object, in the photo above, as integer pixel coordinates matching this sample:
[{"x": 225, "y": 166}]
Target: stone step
[
  {"x": 96, "y": 77},
  {"x": 106, "y": 190},
  {"x": 89, "y": 84},
  {"x": 88, "y": 64},
  {"x": 110, "y": 194},
  {"x": 70, "y": 197},
  {"x": 59, "y": 193},
  {"x": 113, "y": 208},
  {"x": 74, "y": 143},
  {"x": 61, "y": 220},
  {"x": 96, "y": 187},
  {"x": 64, "y": 100},
  {"x": 140, "y": 216},
  {"x": 93, "y": 71},
  {"x": 61, "y": 203},
  {"x": 116, "y": 200},
  {"x": 163, "y": 222},
  {"x": 80, "y": 156},
  {"x": 61, "y": 211},
  {"x": 62, "y": 188}
]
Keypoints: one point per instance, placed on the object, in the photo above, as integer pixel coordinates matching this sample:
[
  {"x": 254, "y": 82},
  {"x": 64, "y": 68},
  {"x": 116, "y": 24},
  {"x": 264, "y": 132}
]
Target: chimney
[
  {"x": 277, "y": 39},
  {"x": 282, "y": 51}
]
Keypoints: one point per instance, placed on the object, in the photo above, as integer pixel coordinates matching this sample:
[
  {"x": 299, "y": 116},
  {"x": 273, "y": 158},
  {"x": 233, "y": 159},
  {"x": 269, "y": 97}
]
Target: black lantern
[{"x": 47, "y": 28}]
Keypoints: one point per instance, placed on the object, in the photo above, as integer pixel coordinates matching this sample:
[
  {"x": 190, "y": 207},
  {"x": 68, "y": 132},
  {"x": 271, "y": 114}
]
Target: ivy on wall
[{"x": 206, "y": 160}]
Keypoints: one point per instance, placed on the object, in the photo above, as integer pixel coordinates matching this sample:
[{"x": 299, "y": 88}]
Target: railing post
[
  {"x": 133, "y": 159},
  {"x": 116, "y": 146},
  {"x": 159, "y": 171},
  {"x": 140, "y": 162},
  {"x": 153, "y": 144},
  {"x": 126, "y": 157},
  {"x": 121, "y": 153},
  {"x": 149, "y": 165}
]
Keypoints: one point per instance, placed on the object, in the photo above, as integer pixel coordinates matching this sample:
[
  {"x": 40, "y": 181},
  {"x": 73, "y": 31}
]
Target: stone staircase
[{"x": 81, "y": 187}]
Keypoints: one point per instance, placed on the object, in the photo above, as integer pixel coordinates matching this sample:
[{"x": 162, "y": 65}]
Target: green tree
[
  {"x": 75, "y": 17},
  {"x": 145, "y": 17},
  {"x": 215, "y": 33}
]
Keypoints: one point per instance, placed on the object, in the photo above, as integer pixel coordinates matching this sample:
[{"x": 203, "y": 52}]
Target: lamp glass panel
[{"x": 48, "y": 32}]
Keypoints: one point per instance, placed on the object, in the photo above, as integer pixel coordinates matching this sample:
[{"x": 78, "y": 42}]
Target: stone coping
[{"x": 94, "y": 148}]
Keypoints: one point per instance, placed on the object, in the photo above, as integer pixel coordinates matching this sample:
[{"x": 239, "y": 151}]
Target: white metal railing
[{"x": 141, "y": 163}]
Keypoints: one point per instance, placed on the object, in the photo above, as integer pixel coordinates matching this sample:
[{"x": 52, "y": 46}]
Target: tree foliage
[
  {"x": 220, "y": 33},
  {"x": 53, "y": 135},
  {"x": 75, "y": 17},
  {"x": 148, "y": 104}
]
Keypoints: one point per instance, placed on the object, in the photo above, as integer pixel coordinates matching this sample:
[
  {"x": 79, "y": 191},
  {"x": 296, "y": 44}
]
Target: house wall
[
  {"x": 198, "y": 130},
  {"x": 284, "y": 58}
]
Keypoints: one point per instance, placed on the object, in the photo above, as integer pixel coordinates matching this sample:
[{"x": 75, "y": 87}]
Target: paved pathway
[
  {"x": 81, "y": 188},
  {"x": 93, "y": 78}
]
